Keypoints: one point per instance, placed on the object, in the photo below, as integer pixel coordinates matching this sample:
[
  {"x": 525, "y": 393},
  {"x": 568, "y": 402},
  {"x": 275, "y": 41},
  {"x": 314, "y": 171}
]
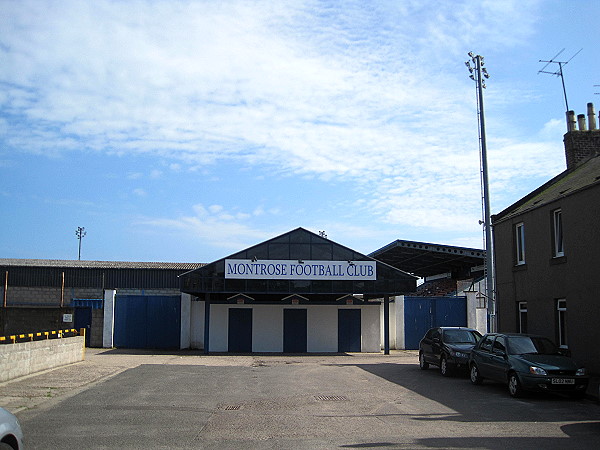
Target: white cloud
[{"x": 366, "y": 93}]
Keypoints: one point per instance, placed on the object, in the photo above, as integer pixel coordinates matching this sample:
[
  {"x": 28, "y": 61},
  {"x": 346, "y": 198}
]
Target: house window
[
  {"x": 559, "y": 249},
  {"x": 561, "y": 307},
  {"x": 522, "y": 317},
  {"x": 520, "y": 243}
]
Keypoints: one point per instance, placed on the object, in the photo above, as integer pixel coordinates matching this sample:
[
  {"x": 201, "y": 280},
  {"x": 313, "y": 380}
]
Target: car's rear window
[{"x": 460, "y": 337}]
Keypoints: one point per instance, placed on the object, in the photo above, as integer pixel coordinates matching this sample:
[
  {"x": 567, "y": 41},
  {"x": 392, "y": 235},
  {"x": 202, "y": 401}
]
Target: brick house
[{"x": 547, "y": 248}]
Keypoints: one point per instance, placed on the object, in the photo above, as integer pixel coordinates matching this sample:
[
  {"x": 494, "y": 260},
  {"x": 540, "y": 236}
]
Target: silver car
[{"x": 11, "y": 436}]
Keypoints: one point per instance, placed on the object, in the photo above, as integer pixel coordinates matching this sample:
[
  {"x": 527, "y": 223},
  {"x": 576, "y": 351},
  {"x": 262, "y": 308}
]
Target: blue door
[
  {"x": 240, "y": 330},
  {"x": 349, "y": 333},
  {"x": 423, "y": 313},
  {"x": 83, "y": 319},
  {"x": 294, "y": 330},
  {"x": 147, "y": 321}
]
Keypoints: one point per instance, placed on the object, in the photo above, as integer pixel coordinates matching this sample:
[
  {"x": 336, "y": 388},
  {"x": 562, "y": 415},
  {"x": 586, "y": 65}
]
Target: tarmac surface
[{"x": 149, "y": 399}]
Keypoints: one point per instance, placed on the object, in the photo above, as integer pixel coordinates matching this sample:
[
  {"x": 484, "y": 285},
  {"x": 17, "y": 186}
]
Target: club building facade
[{"x": 298, "y": 292}]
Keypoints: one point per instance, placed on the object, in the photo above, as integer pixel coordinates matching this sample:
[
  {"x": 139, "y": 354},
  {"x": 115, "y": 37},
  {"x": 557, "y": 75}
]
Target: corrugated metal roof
[
  {"x": 565, "y": 184},
  {"x": 427, "y": 259},
  {"x": 75, "y": 264}
]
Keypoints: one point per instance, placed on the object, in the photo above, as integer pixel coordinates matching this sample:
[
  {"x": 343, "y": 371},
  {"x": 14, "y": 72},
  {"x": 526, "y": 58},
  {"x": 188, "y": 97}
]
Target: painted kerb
[{"x": 18, "y": 360}]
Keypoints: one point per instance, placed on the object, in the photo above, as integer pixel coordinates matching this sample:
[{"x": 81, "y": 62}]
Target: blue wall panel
[
  {"x": 423, "y": 313},
  {"x": 147, "y": 321}
]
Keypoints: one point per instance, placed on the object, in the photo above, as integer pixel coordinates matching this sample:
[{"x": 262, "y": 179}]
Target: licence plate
[{"x": 563, "y": 381}]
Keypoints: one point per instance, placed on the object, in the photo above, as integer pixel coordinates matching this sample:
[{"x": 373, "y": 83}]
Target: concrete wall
[
  {"x": 267, "y": 327},
  {"x": 17, "y": 360}
]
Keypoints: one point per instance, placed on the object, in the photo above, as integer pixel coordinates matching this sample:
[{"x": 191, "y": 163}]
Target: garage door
[{"x": 147, "y": 321}]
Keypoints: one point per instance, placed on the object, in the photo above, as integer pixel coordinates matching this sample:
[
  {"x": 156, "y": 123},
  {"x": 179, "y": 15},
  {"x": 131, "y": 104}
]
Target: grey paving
[{"x": 186, "y": 400}]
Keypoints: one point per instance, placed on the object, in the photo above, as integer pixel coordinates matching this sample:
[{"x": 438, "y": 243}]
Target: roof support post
[
  {"x": 386, "y": 324},
  {"x": 206, "y": 322}
]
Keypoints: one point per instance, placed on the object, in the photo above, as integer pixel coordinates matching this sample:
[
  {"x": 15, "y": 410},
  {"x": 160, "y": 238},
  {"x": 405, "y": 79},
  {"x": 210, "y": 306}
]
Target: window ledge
[
  {"x": 519, "y": 267},
  {"x": 558, "y": 260}
]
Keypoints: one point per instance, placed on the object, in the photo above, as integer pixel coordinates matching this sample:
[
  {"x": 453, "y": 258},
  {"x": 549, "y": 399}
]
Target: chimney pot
[
  {"x": 571, "y": 122},
  {"x": 591, "y": 116},
  {"x": 581, "y": 122}
]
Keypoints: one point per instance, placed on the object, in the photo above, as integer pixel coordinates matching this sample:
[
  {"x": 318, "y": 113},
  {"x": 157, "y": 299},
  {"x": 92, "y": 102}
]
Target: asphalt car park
[{"x": 183, "y": 400}]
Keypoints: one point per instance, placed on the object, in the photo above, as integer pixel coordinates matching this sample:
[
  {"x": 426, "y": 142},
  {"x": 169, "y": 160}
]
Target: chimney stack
[{"x": 581, "y": 142}]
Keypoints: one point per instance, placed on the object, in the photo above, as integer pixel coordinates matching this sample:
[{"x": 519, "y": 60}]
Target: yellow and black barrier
[{"x": 29, "y": 337}]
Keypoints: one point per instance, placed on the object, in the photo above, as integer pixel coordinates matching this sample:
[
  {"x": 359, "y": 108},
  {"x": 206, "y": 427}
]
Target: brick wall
[
  {"x": 581, "y": 146},
  {"x": 16, "y": 320},
  {"x": 51, "y": 296}
]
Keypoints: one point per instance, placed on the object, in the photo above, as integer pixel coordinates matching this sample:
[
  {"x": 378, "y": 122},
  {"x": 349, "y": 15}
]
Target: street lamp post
[
  {"x": 477, "y": 72},
  {"x": 80, "y": 233}
]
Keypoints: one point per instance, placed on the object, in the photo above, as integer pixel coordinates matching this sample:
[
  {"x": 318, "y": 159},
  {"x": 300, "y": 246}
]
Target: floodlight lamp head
[
  {"x": 472, "y": 77},
  {"x": 471, "y": 54}
]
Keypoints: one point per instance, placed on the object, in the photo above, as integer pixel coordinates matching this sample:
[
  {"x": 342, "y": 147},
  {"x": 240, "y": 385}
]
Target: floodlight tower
[
  {"x": 479, "y": 74},
  {"x": 80, "y": 233}
]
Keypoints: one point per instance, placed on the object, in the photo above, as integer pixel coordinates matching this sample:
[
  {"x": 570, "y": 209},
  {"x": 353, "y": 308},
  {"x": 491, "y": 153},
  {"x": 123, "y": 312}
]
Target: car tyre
[
  {"x": 444, "y": 367},
  {"x": 475, "y": 376},
  {"x": 5, "y": 446},
  {"x": 514, "y": 385},
  {"x": 423, "y": 365}
]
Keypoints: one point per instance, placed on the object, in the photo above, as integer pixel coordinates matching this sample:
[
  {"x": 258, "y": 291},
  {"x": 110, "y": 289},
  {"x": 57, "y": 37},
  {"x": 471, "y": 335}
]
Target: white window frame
[
  {"x": 520, "y": 243},
  {"x": 557, "y": 229},
  {"x": 561, "y": 321},
  {"x": 522, "y": 312}
]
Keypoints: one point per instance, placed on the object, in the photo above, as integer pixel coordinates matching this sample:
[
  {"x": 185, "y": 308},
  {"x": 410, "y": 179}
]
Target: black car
[
  {"x": 447, "y": 347},
  {"x": 526, "y": 363}
]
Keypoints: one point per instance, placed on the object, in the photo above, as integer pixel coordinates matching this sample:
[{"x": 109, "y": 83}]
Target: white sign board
[
  {"x": 284, "y": 269},
  {"x": 67, "y": 318}
]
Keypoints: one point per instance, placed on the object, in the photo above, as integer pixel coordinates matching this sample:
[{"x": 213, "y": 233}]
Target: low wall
[{"x": 17, "y": 360}]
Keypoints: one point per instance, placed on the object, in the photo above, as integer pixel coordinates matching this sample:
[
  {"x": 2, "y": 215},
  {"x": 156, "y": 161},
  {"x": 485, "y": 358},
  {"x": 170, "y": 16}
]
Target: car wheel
[
  {"x": 514, "y": 385},
  {"x": 5, "y": 446},
  {"x": 424, "y": 365},
  {"x": 476, "y": 378},
  {"x": 444, "y": 367}
]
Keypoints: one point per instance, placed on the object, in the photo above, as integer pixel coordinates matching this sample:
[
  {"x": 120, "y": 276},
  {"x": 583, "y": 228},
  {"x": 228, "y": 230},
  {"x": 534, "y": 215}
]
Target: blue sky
[{"x": 186, "y": 130}]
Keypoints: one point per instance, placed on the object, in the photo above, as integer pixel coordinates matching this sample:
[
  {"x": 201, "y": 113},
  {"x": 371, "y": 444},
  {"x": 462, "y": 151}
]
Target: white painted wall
[
  {"x": 108, "y": 330},
  {"x": 186, "y": 305},
  {"x": 399, "y": 323},
  {"x": 322, "y": 332},
  {"x": 197, "y": 325},
  {"x": 370, "y": 329},
  {"x": 219, "y": 327},
  {"x": 267, "y": 327}
]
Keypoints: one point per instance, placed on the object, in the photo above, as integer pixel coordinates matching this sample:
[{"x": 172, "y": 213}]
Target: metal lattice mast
[
  {"x": 479, "y": 74},
  {"x": 80, "y": 233}
]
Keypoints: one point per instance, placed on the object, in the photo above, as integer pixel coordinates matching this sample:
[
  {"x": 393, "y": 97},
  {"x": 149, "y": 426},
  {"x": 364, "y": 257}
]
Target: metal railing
[{"x": 43, "y": 335}]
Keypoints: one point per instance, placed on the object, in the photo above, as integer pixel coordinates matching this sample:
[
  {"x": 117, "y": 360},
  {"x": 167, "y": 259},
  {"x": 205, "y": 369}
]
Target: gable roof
[
  {"x": 301, "y": 245},
  {"x": 563, "y": 185}
]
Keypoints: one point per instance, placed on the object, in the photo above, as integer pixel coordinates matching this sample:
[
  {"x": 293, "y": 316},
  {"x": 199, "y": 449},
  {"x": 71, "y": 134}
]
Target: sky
[{"x": 184, "y": 131}]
